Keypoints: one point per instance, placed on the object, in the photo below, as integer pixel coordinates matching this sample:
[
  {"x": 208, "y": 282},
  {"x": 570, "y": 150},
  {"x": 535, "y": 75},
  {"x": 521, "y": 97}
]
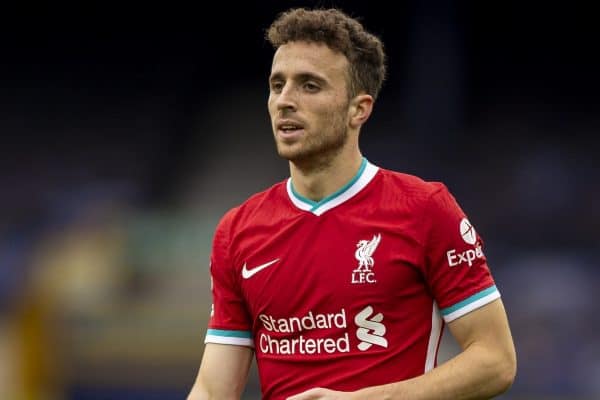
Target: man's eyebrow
[
  {"x": 277, "y": 76},
  {"x": 309, "y": 76},
  {"x": 301, "y": 77}
]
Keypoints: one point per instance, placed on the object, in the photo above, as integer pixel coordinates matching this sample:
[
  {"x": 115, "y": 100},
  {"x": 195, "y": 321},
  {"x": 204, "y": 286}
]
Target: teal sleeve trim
[
  {"x": 226, "y": 333},
  {"x": 469, "y": 300}
]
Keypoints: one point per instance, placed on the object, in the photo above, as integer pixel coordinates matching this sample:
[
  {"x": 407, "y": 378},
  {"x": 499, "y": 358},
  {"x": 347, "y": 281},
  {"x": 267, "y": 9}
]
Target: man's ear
[{"x": 360, "y": 110}]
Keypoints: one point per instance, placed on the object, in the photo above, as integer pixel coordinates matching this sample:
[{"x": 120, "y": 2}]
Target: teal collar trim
[{"x": 365, "y": 174}]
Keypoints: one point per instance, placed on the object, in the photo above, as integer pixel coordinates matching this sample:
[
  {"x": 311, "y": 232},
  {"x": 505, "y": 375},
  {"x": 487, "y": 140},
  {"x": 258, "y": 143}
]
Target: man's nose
[{"x": 287, "y": 98}]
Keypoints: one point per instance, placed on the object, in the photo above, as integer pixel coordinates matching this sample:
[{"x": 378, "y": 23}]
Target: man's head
[
  {"x": 325, "y": 75},
  {"x": 341, "y": 33}
]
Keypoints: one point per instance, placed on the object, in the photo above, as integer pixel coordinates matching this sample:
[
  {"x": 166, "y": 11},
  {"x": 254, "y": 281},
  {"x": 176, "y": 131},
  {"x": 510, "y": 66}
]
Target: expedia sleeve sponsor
[
  {"x": 455, "y": 266},
  {"x": 467, "y": 257}
]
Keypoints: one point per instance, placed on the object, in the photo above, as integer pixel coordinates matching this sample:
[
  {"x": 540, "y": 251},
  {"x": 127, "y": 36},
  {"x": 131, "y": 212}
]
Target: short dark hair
[{"x": 340, "y": 32}]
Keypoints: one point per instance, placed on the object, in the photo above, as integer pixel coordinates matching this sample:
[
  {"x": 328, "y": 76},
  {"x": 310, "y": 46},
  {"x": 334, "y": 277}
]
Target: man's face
[{"x": 308, "y": 101}]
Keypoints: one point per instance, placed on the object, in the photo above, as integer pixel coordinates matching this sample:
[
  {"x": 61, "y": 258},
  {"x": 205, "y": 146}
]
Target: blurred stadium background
[{"x": 127, "y": 132}]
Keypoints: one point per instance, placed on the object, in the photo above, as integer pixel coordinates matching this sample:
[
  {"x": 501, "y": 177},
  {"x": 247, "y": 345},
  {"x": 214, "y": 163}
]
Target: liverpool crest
[{"x": 364, "y": 255}]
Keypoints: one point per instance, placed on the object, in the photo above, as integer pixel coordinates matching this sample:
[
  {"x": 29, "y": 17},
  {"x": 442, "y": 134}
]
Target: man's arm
[
  {"x": 485, "y": 368},
  {"x": 223, "y": 372}
]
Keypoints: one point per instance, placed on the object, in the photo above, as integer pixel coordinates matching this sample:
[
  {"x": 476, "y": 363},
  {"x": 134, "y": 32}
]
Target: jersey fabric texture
[{"x": 348, "y": 292}]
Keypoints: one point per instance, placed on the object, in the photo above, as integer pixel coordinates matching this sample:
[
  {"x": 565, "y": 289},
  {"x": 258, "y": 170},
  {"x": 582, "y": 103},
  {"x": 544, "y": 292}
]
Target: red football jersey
[{"x": 348, "y": 292}]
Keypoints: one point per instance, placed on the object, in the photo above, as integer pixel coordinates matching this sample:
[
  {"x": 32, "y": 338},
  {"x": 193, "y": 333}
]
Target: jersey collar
[{"x": 365, "y": 174}]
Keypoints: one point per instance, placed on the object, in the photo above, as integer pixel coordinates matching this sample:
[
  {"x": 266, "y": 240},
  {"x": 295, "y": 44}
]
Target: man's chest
[{"x": 328, "y": 264}]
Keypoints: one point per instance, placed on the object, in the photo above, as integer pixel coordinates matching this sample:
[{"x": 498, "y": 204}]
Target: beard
[{"x": 316, "y": 151}]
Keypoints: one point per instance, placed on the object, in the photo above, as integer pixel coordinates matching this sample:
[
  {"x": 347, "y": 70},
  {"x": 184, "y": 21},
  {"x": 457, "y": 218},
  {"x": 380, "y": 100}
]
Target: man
[{"x": 341, "y": 278}]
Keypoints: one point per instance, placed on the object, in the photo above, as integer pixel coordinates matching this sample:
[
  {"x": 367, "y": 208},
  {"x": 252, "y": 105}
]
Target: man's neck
[{"x": 318, "y": 182}]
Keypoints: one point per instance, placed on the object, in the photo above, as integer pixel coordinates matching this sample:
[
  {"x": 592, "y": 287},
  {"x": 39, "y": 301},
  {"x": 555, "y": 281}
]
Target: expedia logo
[
  {"x": 370, "y": 329},
  {"x": 467, "y": 256},
  {"x": 467, "y": 232}
]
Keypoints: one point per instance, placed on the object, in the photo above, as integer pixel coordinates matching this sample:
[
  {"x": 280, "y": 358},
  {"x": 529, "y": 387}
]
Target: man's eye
[
  {"x": 276, "y": 86},
  {"x": 311, "y": 87}
]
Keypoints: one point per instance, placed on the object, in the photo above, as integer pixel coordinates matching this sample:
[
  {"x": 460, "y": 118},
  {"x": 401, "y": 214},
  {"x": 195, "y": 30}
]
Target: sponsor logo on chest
[{"x": 329, "y": 333}]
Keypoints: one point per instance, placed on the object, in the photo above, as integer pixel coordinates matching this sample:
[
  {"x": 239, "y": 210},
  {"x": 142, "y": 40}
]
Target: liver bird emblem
[{"x": 364, "y": 252}]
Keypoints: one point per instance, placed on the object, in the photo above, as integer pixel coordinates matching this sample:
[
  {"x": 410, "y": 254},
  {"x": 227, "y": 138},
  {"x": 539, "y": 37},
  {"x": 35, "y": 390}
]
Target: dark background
[{"x": 127, "y": 130}]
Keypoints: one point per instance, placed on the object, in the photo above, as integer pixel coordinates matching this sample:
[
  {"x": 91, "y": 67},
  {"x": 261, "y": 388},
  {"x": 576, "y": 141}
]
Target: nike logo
[{"x": 248, "y": 273}]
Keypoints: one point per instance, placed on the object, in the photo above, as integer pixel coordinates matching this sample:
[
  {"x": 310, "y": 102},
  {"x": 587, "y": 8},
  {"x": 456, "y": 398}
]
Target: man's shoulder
[
  {"x": 410, "y": 184},
  {"x": 272, "y": 194},
  {"x": 270, "y": 197}
]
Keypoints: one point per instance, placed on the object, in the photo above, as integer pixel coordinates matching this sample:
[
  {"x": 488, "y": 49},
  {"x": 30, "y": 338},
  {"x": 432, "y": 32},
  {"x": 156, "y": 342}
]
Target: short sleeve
[
  {"x": 456, "y": 268},
  {"x": 229, "y": 320}
]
